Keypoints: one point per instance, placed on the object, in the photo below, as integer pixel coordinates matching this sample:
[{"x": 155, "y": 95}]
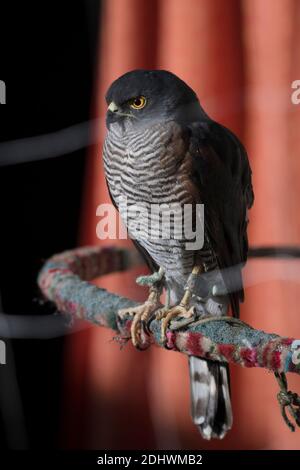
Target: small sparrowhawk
[{"x": 161, "y": 148}]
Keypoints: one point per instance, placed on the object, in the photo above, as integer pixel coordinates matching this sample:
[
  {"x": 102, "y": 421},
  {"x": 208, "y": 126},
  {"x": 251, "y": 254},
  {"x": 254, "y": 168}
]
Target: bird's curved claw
[
  {"x": 169, "y": 314},
  {"x": 139, "y": 327}
]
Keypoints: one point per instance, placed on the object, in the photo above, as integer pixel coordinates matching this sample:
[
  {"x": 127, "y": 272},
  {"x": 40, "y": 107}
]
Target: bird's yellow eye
[{"x": 138, "y": 103}]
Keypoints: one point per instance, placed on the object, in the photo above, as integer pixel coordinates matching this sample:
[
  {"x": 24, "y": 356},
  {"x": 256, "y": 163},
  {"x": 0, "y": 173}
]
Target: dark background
[{"x": 47, "y": 62}]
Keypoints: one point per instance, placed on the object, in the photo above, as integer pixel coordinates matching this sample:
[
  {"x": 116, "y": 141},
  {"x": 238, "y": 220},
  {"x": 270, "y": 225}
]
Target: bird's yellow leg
[
  {"x": 181, "y": 310},
  {"x": 142, "y": 313},
  {"x": 161, "y": 313},
  {"x": 142, "y": 316}
]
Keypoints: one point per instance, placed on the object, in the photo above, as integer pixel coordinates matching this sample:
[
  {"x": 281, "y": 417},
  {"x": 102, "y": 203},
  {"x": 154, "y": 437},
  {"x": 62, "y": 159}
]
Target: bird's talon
[
  {"x": 178, "y": 311},
  {"x": 161, "y": 313},
  {"x": 139, "y": 327}
]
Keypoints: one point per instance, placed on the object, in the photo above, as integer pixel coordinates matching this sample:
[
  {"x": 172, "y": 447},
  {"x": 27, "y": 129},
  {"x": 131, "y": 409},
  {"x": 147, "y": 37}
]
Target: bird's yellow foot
[
  {"x": 141, "y": 315},
  {"x": 169, "y": 314}
]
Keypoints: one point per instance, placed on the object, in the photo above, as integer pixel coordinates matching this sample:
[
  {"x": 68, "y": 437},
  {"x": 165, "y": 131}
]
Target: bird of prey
[{"x": 161, "y": 148}]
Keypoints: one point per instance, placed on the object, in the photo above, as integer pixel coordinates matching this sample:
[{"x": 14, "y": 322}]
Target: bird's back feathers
[{"x": 222, "y": 174}]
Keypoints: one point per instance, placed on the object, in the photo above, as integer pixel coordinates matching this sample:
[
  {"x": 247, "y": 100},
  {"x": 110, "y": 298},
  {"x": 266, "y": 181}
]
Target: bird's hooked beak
[{"x": 113, "y": 107}]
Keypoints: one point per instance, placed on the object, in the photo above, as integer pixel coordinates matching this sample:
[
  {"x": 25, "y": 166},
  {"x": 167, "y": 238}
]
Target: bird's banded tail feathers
[{"x": 210, "y": 397}]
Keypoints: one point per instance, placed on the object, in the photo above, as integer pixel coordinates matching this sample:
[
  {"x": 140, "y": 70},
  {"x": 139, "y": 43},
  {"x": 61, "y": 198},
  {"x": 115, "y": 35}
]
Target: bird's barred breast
[{"x": 152, "y": 166}]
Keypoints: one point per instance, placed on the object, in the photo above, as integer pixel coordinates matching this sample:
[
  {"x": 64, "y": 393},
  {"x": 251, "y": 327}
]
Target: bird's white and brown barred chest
[
  {"x": 151, "y": 166},
  {"x": 148, "y": 167}
]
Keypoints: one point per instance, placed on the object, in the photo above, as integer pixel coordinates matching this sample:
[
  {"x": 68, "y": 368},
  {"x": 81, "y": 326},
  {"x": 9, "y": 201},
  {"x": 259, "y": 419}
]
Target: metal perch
[{"x": 64, "y": 281}]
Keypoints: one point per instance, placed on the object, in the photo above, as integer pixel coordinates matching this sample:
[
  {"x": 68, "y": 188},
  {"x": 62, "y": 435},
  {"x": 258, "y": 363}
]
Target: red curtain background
[{"x": 241, "y": 58}]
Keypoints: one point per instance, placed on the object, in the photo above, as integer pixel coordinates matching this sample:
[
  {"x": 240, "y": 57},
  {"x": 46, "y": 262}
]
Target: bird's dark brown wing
[
  {"x": 147, "y": 258},
  {"x": 222, "y": 174}
]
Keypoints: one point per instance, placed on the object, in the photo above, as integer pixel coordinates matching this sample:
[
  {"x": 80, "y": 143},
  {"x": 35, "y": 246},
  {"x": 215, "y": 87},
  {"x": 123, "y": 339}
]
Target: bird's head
[{"x": 143, "y": 96}]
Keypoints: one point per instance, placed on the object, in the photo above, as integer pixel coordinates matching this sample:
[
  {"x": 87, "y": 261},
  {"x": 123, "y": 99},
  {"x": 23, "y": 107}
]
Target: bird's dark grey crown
[
  {"x": 154, "y": 82},
  {"x": 168, "y": 97}
]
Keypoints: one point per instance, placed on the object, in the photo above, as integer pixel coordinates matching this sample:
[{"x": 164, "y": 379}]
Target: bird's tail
[{"x": 210, "y": 397}]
